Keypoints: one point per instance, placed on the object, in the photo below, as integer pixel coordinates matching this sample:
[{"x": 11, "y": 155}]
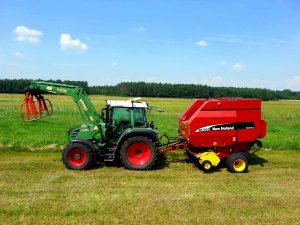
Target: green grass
[
  {"x": 283, "y": 121},
  {"x": 35, "y": 188}
]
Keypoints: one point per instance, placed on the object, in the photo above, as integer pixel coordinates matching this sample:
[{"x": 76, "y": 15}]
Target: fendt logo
[{"x": 226, "y": 127}]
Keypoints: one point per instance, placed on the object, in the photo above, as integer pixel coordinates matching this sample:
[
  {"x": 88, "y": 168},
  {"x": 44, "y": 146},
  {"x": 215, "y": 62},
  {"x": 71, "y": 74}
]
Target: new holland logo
[{"x": 226, "y": 127}]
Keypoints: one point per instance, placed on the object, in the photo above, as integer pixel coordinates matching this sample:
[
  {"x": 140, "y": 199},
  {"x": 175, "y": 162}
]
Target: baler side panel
[
  {"x": 213, "y": 136},
  {"x": 250, "y": 125}
]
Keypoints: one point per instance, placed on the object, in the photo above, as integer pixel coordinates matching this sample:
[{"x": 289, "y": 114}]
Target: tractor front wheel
[
  {"x": 138, "y": 153},
  {"x": 77, "y": 156},
  {"x": 237, "y": 163}
]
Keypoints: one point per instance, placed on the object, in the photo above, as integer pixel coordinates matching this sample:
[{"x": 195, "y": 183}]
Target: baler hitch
[{"x": 36, "y": 106}]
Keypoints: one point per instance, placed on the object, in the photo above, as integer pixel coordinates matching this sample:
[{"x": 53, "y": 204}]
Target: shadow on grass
[
  {"x": 165, "y": 160},
  {"x": 256, "y": 160},
  {"x": 161, "y": 163}
]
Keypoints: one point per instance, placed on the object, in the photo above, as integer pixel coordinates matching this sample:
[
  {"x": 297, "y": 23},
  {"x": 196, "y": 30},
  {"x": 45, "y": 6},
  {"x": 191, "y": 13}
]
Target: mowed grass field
[{"x": 35, "y": 187}]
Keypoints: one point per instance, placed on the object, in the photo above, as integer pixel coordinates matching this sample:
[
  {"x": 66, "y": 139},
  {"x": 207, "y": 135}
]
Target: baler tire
[
  {"x": 74, "y": 150},
  {"x": 138, "y": 153},
  {"x": 206, "y": 165},
  {"x": 237, "y": 163}
]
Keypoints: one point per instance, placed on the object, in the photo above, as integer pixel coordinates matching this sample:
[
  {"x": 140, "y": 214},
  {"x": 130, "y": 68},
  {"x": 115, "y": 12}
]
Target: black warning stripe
[{"x": 227, "y": 127}]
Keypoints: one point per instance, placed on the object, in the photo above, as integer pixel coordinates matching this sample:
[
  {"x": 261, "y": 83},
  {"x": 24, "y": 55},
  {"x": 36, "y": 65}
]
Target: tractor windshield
[{"x": 121, "y": 115}]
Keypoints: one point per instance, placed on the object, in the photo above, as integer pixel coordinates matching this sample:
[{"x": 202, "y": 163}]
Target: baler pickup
[{"x": 36, "y": 106}]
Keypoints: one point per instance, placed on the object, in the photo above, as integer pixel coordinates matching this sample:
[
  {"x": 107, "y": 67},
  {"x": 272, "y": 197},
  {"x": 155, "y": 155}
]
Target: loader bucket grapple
[{"x": 35, "y": 106}]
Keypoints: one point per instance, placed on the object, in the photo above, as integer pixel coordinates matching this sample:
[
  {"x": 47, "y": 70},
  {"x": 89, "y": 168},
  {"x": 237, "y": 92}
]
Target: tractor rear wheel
[
  {"x": 138, "y": 153},
  {"x": 237, "y": 163},
  {"x": 77, "y": 156}
]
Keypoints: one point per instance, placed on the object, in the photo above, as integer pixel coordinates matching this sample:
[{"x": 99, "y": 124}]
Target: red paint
[
  {"x": 138, "y": 153},
  {"x": 77, "y": 157},
  {"x": 44, "y": 104},
  {"x": 31, "y": 111},
  {"x": 181, "y": 145},
  {"x": 40, "y": 107}
]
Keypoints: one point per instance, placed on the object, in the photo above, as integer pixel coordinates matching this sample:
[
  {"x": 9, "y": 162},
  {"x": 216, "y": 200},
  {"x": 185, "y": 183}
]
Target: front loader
[{"x": 120, "y": 131}]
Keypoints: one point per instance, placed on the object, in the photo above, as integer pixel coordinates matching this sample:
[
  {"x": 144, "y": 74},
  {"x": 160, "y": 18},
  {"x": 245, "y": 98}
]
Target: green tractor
[{"x": 120, "y": 132}]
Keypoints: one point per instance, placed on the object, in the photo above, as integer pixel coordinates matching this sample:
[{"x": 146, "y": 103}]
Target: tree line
[{"x": 143, "y": 89}]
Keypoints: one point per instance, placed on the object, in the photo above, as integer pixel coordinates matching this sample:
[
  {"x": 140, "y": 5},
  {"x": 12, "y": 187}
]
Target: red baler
[{"x": 212, "y": 129}]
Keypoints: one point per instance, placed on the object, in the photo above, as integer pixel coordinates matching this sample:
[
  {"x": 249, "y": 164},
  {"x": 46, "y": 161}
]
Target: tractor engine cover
[{"x": 222, "y": 122}]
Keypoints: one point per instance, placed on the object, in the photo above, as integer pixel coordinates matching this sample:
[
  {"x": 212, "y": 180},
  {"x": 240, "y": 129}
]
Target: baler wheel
[
  {"x": 138, "y": 153},
  {"x": 77, "y": 156},
  {"x": 237, "y": 163},
  {"x": 207, "y": 165}
]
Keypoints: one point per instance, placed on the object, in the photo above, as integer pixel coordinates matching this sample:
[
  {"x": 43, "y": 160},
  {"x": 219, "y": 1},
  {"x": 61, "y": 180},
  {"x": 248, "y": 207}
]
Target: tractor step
[{"x": 110, "y": 155}]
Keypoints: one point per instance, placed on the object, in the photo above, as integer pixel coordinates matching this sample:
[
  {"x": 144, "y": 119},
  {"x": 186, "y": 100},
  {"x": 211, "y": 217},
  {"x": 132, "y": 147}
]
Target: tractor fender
[{"x": 136, "y": 132}]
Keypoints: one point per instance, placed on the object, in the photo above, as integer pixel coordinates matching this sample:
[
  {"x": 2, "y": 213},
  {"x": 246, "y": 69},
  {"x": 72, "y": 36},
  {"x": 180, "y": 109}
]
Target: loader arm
[
  {"x": 81, "y": 99},
  {"x": 33, "y": 95}
]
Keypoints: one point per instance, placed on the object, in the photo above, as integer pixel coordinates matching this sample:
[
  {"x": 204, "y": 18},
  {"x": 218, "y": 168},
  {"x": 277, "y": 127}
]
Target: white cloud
[
  {"x": 214, "y": 81},
  {"x": 17, "y": 54},
  {"x": 294, "y": 83},
  {"x": 69, "y": 44},
  {"x": 223, "y": 62},
  {"x": 238, "y": 67},
  {"x": 140, "y": 29},
  {"x": 114, "y": 64},
  {"x": 25, "y": 34},
  {"x": 201, "y": 43},
  {"x": 218, "y": 80}
]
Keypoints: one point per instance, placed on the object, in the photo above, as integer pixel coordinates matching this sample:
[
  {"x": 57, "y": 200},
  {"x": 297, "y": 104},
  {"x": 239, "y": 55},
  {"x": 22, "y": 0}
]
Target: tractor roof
[{"x": 126, "y": 103}]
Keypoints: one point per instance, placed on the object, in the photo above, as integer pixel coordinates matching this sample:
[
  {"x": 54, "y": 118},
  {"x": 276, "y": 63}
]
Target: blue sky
[{"x": 220, "y": 43}]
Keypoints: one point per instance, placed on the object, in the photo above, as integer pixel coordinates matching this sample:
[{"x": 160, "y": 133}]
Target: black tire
[
  {"x": 206, "y": 165},
  {"x": 138, "y": 153},
  {"x": 77, "y": 156},
  {"x": 237, "y": 163}
]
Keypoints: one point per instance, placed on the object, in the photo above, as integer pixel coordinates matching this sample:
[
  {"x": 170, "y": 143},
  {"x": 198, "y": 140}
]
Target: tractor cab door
[{"x": 119, "y": 121}]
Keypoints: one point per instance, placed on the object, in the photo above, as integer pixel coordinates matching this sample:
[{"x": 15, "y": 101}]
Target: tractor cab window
[
  {"x": 120, "y": 115},
  {"x": 119, "y": 121},
  {"x": 139, "y": 117}
]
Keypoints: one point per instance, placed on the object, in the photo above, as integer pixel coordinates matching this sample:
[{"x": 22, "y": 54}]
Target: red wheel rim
[
  {"x": 77, "y": 157},
  {"x": 138, "y": 153}
]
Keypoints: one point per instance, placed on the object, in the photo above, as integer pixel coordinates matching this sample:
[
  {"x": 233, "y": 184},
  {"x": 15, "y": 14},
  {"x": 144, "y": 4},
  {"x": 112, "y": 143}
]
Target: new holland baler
[{"x": 213, "y": 129}]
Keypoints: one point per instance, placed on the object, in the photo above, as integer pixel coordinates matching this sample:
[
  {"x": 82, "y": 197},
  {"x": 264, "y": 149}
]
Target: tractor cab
[{"x": 121, "y": 115}]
